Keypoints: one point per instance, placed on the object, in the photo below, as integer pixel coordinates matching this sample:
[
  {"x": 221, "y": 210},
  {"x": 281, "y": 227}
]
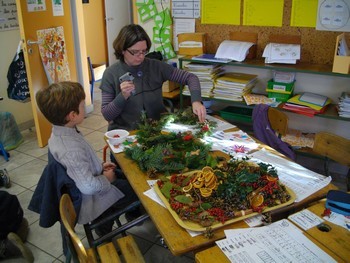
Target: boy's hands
[{"x": 108, "y": 171}]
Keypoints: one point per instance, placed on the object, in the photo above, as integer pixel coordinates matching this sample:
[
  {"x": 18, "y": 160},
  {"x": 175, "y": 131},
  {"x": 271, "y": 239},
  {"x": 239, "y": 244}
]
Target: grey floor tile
[
  {"x": 96, "y": 140},
  {"x": 16, "y": 159},
  {"x": 32, "y": 148},
  {"x": 28, "y": 174},
  {"x": 24, "y": 199},
  {"x": 94, "y": 122},
  {"x": 47, "y": 239}
]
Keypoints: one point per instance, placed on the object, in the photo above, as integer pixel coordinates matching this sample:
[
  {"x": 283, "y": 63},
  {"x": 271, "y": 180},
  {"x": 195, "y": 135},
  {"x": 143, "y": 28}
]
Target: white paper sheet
[
  {"x": 305, "y": 219},
  {"x": 278, "y": 242}
]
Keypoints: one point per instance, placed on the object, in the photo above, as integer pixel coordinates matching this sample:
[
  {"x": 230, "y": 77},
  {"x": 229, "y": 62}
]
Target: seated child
[{"x": 63, "y": 104}]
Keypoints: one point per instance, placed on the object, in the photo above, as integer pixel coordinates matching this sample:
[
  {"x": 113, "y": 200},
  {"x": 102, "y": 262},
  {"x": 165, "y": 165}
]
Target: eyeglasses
[{"x": 137, "y": 52}]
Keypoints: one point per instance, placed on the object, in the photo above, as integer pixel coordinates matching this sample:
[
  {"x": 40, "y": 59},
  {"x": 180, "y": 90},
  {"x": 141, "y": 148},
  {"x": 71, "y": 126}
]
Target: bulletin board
[{"x": 317, "y": 46}]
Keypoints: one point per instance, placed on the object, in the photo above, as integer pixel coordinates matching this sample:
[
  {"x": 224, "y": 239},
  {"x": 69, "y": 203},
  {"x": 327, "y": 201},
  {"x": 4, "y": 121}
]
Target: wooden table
[
  {"x": 177, "y": 238},
  {"x": 335, "y": 243}
]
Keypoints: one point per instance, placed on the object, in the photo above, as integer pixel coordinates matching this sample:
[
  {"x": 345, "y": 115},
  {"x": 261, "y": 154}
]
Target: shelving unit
[{"x": 316, "y": 69}]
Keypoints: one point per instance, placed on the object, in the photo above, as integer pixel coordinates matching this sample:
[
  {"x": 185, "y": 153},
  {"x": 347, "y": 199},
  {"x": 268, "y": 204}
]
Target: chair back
[
  {"x": 68, "y": 218},
  {"x": 333, "y": 146},
  {"x": 278, "y": 121}
]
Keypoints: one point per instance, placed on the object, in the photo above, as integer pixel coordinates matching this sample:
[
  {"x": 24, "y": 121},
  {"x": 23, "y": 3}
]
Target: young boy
[{"x": 63, "y": 104}]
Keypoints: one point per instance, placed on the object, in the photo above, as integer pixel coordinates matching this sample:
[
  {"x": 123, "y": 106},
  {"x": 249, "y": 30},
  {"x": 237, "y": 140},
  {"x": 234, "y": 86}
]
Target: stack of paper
[
  {"x": 344, "y": 105},
  {"x": 281, "y": 53},
  {"x": 207, "y": 74},
  {"x": 233, "y": 86},
  {"x": 307, "y": 104},
  {"x": 234, "y": 50}
]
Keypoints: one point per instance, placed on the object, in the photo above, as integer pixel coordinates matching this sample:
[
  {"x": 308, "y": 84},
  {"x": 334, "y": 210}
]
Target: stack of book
[
  {"x": 344, "y": 105},
  {"x": 307, "y": 104},
  {"x": 233, "y": 86},
  {"x": 207, "y": 74}
]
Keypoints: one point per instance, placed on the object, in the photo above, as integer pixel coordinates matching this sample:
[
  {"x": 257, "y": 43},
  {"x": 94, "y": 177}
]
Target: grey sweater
[
  {"x": 70, "y": 149},
  {"x": 149, "y": 78}
]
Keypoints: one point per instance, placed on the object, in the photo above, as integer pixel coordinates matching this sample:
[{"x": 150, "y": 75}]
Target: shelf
[
  {"x": 330, "y": 113},
  {"x": 301, "y": 67}
]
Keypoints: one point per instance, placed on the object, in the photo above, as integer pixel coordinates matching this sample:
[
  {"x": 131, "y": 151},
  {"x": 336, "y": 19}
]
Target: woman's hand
[
  {"x": 199, "y": 109},
  {"x": 127, "y": 87}
]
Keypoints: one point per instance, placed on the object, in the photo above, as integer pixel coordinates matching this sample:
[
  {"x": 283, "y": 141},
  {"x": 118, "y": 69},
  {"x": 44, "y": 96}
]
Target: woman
[{"x": 123, "y": 101}]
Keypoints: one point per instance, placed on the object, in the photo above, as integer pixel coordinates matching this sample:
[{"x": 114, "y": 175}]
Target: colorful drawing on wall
[{"x": 52, "y": 50}]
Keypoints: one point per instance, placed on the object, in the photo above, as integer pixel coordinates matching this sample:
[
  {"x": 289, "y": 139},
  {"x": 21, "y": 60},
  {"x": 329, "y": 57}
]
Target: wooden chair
[
  {"x": 106, "y": 252},
  {"x": 333, "y": 147},
  {"x": 278, "y": 121}
]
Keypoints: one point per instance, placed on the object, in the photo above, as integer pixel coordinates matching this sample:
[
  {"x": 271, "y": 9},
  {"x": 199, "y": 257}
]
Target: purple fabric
[{"x": 264, "y": 132}]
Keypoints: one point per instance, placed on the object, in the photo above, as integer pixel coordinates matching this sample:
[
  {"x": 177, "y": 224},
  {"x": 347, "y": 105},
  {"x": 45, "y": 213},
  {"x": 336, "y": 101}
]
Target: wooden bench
[{"x": 107, "y": 252}]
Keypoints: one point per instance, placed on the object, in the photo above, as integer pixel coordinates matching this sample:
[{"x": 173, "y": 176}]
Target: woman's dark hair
[{"x": 128, "y": 36}]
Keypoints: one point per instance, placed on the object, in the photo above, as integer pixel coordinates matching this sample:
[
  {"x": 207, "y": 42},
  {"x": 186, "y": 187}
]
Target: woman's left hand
[{"x": 199, "y": 109}]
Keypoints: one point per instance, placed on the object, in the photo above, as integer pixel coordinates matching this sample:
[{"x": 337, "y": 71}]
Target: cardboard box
[
  {"x": 169, "y": 86},
  {"x": 341, "y": 64},
  {"x": 192, "y": 43}
]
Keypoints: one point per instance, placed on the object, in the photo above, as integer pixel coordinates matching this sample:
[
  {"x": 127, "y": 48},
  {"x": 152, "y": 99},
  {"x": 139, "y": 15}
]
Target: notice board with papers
[{"x": 317, "y": 47}]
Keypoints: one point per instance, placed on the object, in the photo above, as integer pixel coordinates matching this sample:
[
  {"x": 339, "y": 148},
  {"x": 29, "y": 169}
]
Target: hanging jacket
[
  {"x": 53, "y": 182},
  {"x": 264, "y": 132}
]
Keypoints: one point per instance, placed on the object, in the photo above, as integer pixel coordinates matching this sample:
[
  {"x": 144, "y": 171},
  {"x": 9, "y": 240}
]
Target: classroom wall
[
  {"x": 21, "y": 111},
  {"x": 96, "y": 48}
]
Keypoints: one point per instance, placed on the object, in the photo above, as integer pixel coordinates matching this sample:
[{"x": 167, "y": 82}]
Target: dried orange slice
[
  {"x": 198, "y": 184},
  {"x": 257, "y": 200},
  {"x": 187, "y": 188},
  {"x": 205, "y": 192},
  {"x": 207, "y": 169},
  {"x": 271, "y": 178},
  {"x": 200, "y": 176}
]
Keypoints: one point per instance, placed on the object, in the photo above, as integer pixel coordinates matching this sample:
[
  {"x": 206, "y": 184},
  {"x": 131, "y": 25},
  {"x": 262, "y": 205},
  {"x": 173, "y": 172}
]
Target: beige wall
[
  {"x": 96, "y": 49},
  {"x": 21, "y": 111},
  {"x": 95, "y": 31}
]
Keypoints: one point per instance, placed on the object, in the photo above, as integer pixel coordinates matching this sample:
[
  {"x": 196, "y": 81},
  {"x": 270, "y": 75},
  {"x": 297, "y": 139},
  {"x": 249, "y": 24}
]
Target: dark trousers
[{"x": 129, "y": 197}]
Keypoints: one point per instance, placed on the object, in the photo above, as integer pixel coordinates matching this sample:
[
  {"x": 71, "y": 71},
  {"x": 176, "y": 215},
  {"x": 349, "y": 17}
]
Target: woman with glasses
[{"x": 123, "y": 99}]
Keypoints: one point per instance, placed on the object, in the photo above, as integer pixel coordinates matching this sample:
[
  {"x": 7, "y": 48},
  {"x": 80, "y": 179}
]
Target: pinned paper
[
  {"x": 167, "y": 51},
  {"x": 53, "y": 54},
  {"x": 163, "y": 19},
  {"x": 161, "y": 36},
  {"x": 147, "y": 11}
]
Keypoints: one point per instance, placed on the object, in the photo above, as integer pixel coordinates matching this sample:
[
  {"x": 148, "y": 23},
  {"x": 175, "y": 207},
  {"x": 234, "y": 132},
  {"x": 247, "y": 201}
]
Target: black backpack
[{"x": 11, "y": 214}]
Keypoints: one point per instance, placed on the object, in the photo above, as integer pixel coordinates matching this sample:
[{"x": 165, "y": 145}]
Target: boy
[{"x": 63, "y": 104}]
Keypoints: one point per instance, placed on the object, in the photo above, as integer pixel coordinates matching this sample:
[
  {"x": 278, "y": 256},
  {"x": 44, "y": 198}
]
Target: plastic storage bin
[
  {"x": 280, "y": 86},
  {"x": 279, "y": 95},
  {"x": 237, "y": 114}
]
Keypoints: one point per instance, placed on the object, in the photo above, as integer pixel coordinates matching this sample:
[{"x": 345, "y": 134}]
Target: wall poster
[{"x": 8, "y": 15}]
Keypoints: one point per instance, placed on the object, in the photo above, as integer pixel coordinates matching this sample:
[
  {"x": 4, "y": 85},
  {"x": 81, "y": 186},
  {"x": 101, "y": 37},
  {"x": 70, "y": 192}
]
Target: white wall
[{"x": 21, "y": 111}]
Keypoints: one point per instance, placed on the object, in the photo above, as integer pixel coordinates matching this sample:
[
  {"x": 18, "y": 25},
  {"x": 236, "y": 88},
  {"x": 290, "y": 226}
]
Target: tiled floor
[{"x": 25, "y": 167}]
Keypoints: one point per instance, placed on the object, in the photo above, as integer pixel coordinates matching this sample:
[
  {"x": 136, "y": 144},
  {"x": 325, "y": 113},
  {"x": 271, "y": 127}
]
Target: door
[
  {"x": 29, "y": 23},
  {"x": 118, "y": 14}
]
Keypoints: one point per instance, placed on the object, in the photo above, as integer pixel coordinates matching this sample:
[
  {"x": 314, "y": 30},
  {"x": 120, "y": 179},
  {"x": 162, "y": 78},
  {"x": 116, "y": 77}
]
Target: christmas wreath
[
  {"x": 167, "y": 152},
  {"x": 233, "y": 189}
]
